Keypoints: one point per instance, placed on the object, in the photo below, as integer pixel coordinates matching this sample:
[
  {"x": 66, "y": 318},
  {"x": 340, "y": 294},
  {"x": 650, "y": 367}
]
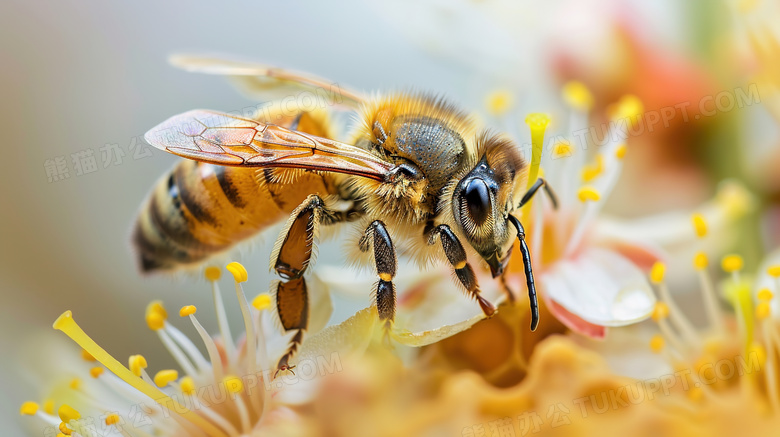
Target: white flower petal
[{"x": 601, "y": 287}]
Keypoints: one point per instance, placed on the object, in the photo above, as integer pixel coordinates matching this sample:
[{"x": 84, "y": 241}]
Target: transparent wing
[{"x": 224, "y": 139}]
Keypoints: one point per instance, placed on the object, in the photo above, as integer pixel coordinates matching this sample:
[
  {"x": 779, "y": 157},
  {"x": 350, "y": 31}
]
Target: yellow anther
[
  {"x": 137, "y": 363},
  {"x": 28, "y": 408},
  {"x": 75, "y": 383},
  {"x": 112, "y": 419},
  {"x": 187, "y": 310},
  {"x": 68, "y": 413},
  {"x": 620, "y": 151},
  {"x": 700, "y": 261},
  {"x": 96, "y": 371},
  {"x": 731, "y": 263},
  {"x": 765, "y": 294},
  {"x": 538, "y": 124},
  {"x": 774, "y": 271},
  {"x": 213, "y": 273},
  {"x": 759, "y": 352},
  {"x": 165, "y": 377},
  {"x": 590, "y": 172},
  {"x": 233, "y": 384},
  {"x": 660, "y": 311},
  {"x": 629, "y": 106},
  {"x": 498, "y": 102},
  {"x": 238, "y": 271},
  {"x": 577, "y": 95},
  {"x": 699, "y": 225},
  {"x": 763, "y": 310},
  {"x": 658, "y": 272},
  {"x": 562, "y": 150},
  {"x": 48, "y": 406},
  {"x": 588, "y": 194},
  {"x": 261, "y": 302},
  {"x": 657, "y": 343},
  {"x": 187, "y": 385},
  {"x": 86, "y": 356},
  {"x": 156, "y": 315},
  {"x": 156, "y": 306},
  {"x": 64, "y": 429}
]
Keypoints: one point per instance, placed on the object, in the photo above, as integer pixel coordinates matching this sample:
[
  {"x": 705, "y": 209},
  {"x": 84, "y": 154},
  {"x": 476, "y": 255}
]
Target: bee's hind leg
[
  {"x": 376, "y": 236},
  {"x": 291, "y": 257},
  {"x": 456, "y": 255}
]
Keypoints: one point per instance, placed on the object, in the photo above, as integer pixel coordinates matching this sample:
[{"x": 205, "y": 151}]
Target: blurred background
[{"x": 90, "y": 78}]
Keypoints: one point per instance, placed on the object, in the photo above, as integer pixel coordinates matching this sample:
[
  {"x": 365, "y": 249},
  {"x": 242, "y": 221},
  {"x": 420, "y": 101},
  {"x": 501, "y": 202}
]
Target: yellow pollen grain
[
  {"x": 577, "y": 95},
  {"x": 658, "y": 272},
  {"x": 137, "y": 363},
  {"x": 64, "y": 428},
  {"x": 187, "y": 385},
  {"x": 156, "y": 306},
  {"x": 657, "y": 343},
  {"x": 620, "y": 151},
  {"x": 588, "y": 194},
  {"x": 213, "y": 273},
  {"x": 28, "y": 408},
  {"x": 68, "y": 413},
  {"x": 562, "y": 150},
  {"x": 629, "y": 106},
  {"x": 699, "y": 225},
  {"x": 262, "y": 301},
  {"x": 765, "y": 295},
  {"x": 660, "y": 311},
  {"x": 165, "y": 377},
  {"x": 155, "y": 321},
  {"x": 187, "y": 310},
  {"x": 233, "y": 384},
  {"x": 763, "y": 310},
  {"x": 774, "y": 271},
  {"x": 498, "y": 102},
  {"x": 731, "y": 263},
  {"x": 700, "y": 261},
  {"x": 112, "y": 419},
  {"x": 48, "y": 406},
  {"x": 590, "y": 172},
  {"x": 238, "y": 271},
  {"x": 385, "y": 277},
  {"x": 96, "y": 371},
  {"x": 86, "y": 356},
  {"x": 75, "y": 383}
]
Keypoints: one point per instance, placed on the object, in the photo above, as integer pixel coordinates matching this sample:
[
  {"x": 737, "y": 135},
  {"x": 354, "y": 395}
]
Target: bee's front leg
[
  {"x": 376, "y": 235},
  {"x": 291, "y": 257},
  {"x": 456, "y": 255}
]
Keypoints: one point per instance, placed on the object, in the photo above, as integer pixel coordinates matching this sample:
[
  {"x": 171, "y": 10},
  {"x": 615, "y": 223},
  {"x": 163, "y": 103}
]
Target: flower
[{"x": 232, "y": 391}]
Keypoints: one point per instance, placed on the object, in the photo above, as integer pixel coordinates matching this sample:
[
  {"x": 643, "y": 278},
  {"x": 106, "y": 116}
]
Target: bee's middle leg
[
  {"x": 290, "y": 259},
  {"x": 376, "y": 235},
  {"x": 456, "y": 255}
]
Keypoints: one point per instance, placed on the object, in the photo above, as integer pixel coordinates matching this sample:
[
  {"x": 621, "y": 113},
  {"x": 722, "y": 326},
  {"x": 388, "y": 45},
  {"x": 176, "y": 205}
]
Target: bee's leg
[
  {"x": 376, "y": 235},
  {"x": 534, "y": 188},
  {"x": 456, "y": 255},
  {"x": 290, "y": 258}
]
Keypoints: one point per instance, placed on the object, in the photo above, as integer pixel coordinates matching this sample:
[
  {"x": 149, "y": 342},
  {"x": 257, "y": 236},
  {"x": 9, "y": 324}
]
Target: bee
[{"x": 414, "y": 165}]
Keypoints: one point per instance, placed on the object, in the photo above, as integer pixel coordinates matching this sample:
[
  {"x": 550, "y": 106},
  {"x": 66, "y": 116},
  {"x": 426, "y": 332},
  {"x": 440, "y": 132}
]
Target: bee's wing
[
  {"x": 268, "y": 82},
  {"x": 224, "y": 139}
]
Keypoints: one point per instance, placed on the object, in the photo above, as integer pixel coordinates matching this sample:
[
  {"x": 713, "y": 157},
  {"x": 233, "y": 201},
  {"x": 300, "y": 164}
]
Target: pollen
[
  {"x": 75, "y": 383},
  {"x": 112, "y": 419},
  {"x": 700, "y": 261},
  {"x": 187, "y": 310},
  {"x": 498, "y": 102},
  {"x": 48, "y": 407},
  {"x": 699, "y": 225},
  {"x": 732, "y": 263},
  {"x": 765, "y": 295},
  {"x": 661, "y": 311},
  {"x": 137, "y": 363},
  {"x": 763, "y": 310},
  {"x": 64, "y": 430},
  {"x": 562, "y": 150},
  {"x": 233, "y": 384},
  {"x": 590, "y": 172},
  {"x": 578, "y": 96},
  {"x": 658, "y": 272},
  {"x": 96, "y": 371},
  {"x": 187, "y": 385},
  {"x": 262, "y": 302},
  {"x": 68, "y": 413},
  {"x": 165, "y": 377},
  {"x": 28, "y": 408},
  {"x": 156, "y": 315},
  {"x": 588, "y": 193},
  {"x": 657, "y": 343},
  {"x": 213, "y": 273},
  {"x": 774, "y": 271},
  {"x": 620, "y": 151},
  {"x": 86, "y": 356},
  {"x": 238, "y": 271}
]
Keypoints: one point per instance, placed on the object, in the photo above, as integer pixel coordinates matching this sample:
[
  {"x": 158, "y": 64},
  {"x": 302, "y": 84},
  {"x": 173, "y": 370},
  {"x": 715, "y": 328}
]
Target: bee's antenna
[
  {"x": 531, "y": 191},
  {"x": 529, "y": 274}
]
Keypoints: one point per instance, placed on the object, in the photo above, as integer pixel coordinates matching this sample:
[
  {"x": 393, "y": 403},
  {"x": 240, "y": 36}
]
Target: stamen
[
  {"x": 677, "y": 316},
  {"x": 187, "y": 387},
  {"x": 699, "y": 225},
  {"x": 240, "y": 275},
  {"x": 538, "y": 124},
  {"x": 590, "y": 172},
  {"x": 96, "y": 371},
  {"x": 28, "y": 408},
  {"x": 211, "y": 348},
  {"x": 48, "y": 406},
  {"x": 499, "y": 102},
  {"x": 75, "y": 383},
  {"x": 165, "y": 377},
  {"x": 235, "y": 386},
  {"x": 620, "y": 151},
  {"x": 86, "y": 356},
  {"x": 213, "y": 274},
  {"x": 657, "y": 343},
  {"x": 187, "y": 310},
  {"x": 711, "y": 306},
  {"x": 137, "y": 364},
  {"x": 739, "y": 295},
  {"x": 578, "y": 96},
  {"x": 68, "y": 325},
  {"x": 156, "y": 316},
  {"x": 64, "y": 429},
  {"x": 262, "y": 301},
  {"x": 763, "y": 314},
  {"x": 659, "y": 315},
  {"x": 562, "y": 150},
  {"x": 588, "y": 194},
  {"x": 765, "y": 295},
  {"x": 732, "y": 264}
]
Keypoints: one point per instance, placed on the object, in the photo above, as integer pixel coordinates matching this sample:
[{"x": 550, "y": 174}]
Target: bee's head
[{"x": 483, "y": 199}]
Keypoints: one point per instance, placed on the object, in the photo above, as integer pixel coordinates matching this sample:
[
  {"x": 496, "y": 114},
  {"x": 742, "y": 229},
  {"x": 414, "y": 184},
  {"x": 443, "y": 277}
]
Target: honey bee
[{"x": 415, "y": 165}]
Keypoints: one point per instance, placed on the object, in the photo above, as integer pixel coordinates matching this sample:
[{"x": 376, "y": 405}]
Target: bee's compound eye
[{"x": 477, "y": 199}]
